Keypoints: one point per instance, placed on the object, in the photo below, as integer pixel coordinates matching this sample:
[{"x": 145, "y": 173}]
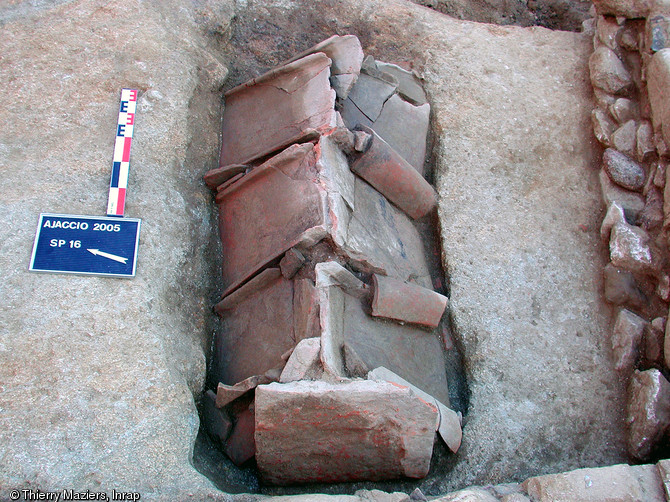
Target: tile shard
[
  {"x": 348, "y": 432},
  {"x": 304, "y": 363},
  {"x": 406, "y": 302},
  {"x": 256, "y": 329},
  {"x": 382, "y": 167},
  {"x": 275, "y": 207},
  {"x": 449, "y": 422},
  {"x": 284, "y": 106}
]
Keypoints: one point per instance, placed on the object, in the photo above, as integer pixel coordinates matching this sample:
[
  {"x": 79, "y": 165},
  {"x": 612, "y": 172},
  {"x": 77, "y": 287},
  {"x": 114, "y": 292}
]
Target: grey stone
[
  {"x": 623, "y": 170},
  {"x": 373, "y": 221},
  {"x": 658, "y": 83},
  {"x": 409, "y": 85},
  {"x": 343, "y": 84},
  {"x": 629, "y": 40},
  {"x": 418, "y": 495},
  {"x": 352, "y": 116},
  {"x": 624, "y": 109},
  {"x": 353, "y": 364},
  {"x": 659, "y": 174},
  {"x": 621, "y": 288},
  {"x": 304, "y": 363},
  {"x": 629, "y": 249},
  {"x": 626, "y": 338},
  {"x": 369, "y": 95},
  {"x": 647, "y": 413},
  {"x": 405, "y": 127},
  {"x": 631, "y": 202},
  {"x": 603, "y": 99},
  {"x": 380, "y": 496},
  {"x": 664, "y": 471},
  {"x": 608, "y": 72},
  {"x": 603, "y": 126},
  {"x": 615, "y": 483},
  {"x": 292, "y": 261},
  {"x": 658, "y": 31},
  {"x": 348, "y": 432},
  {"x": 666, "y": 345},
  {"x": 515, "y": 497}
]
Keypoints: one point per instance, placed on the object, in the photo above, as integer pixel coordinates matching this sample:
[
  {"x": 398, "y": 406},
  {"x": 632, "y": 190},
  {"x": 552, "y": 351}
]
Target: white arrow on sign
[{"x": 111, "y": 256}]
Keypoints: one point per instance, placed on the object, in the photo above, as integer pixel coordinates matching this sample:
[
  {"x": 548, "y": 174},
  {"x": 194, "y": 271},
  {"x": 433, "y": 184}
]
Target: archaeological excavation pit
[
  {"x": 335, "y": 361},
  {"x": 546, "y": 153}
]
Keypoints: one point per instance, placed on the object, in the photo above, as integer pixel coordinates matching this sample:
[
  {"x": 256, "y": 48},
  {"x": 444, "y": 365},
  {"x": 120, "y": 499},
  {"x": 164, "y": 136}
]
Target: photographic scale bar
[{"x": 121, "y": 161}]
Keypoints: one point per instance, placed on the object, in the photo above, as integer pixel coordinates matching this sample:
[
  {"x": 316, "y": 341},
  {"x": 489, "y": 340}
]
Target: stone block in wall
[
  {"x": 603, "y": 126},
  {"x": 624, "y": 138},
  {"x": 361, "y": 430},
  {"x": 626, "y": 339},
  {"x": 468, "y": 495},
  {"x": 608, "y": 71},
  {"x": 623, "y": 170},
  {"x": 621, "y": 288},
  {"x": 630, "y": 249},
  {"x": 658, "y": 86},
  {"x": 616, "y": 483},
  {"x": 647, "y": 412},
  {"x": 630, "y": 9},
  {"x": 657, "y": 28},
  {"x": 632, "y": 203},
  {"x": 664, "y": 471}
]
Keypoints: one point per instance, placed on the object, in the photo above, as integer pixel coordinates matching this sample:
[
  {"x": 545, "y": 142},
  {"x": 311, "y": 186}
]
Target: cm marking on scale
[{"x": 87, "y": 245}]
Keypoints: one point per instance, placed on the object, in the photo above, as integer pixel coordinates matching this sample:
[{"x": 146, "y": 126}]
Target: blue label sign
[{"x": 87, "y": 245}]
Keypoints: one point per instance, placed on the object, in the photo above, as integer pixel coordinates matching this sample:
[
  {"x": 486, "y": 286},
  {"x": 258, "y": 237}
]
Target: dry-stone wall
[{"x": 630, "y": 73}]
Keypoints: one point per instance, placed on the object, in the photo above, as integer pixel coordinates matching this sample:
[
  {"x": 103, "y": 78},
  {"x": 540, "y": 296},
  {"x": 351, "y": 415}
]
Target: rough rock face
[
  {"x": 111, "y": 364},
  {"x": 617, "y": 483},
  {"x": 524, "y": 274}
]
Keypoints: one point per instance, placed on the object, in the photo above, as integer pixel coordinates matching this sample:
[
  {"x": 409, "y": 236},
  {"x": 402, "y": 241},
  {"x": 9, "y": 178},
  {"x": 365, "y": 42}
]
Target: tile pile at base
[{"x": 331, "y": 357}]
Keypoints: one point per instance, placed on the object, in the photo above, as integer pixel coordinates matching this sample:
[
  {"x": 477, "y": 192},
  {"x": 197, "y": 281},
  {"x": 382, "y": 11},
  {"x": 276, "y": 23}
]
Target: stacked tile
[
  {"x": 316, "y": 219},
  {"x": 630, "y": 72}
]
